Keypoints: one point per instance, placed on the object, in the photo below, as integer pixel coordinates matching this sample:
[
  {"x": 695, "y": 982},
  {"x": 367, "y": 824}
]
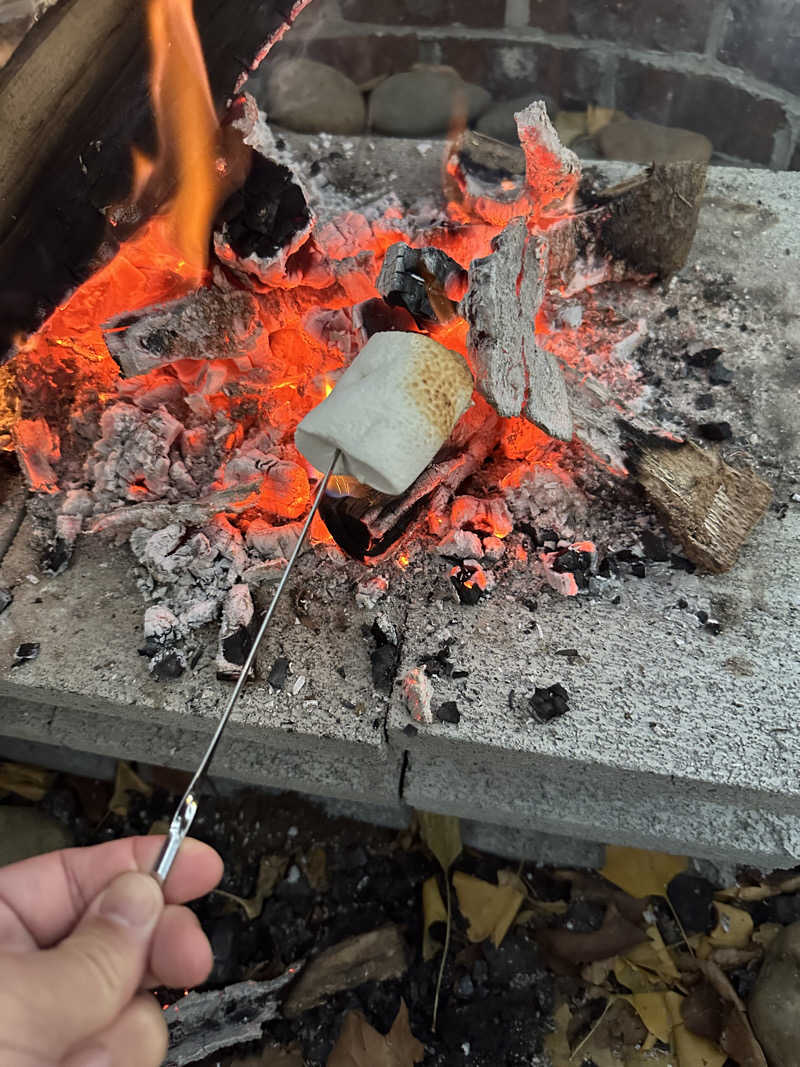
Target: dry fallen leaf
[
  {"x": 271, "y": 1056},
  {"x": 442, "y": 835},
  {"x": 691, "y": 1050},
  {"x": 734, "y": 927},
  {"x": 489, "y": 909},
  {"x": 750, "y": 893},
  {"x": 641, "y": 873},
  {"x": 433, "y": 911},
  {"x": 25, "y": 780},
  {"x": 315, "y": 868},
  {"x": 360, "y": 1045},
  {"x": 652, "y": 1010},
  {"x": 654, "y": 956},
  {"x": 270, "y": 871},
  {"x": 635, "y": 978},
  {"x": 127, "y": 781},
  {"x": 615, "y": 936}
]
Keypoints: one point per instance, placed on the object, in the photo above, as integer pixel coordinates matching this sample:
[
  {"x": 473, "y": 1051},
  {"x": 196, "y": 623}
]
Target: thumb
[{"x": 82, "y": 985}]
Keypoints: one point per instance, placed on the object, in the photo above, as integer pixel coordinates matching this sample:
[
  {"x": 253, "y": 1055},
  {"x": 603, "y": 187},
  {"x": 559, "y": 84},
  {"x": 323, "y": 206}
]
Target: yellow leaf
[
  {"x": 433, "y": 911},
  {"x": 360, "y": 1045},
  {"x": 126, "y": 781},
  {"x": 691, "y": 1050},
  {"x": 734, "y": 927},
  {"x": 489, "y": 909},
  {"x": 641, "y": 873},
  {"x": 637, "y": 979},
  {"x": 25, "y": 780},
  {"x": 442, "y": 835},
  {"x": 270, "y": 871},
  {"x": 652, "y": 1010},
  {"x": 508, "y": 876},
  {"x": 654, "y": 956}
]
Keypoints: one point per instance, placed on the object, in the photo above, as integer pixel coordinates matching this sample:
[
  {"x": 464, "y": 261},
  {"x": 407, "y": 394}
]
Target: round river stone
[
  {"x": 422, "y": 103},
  {"x": 312, "y": 97}
]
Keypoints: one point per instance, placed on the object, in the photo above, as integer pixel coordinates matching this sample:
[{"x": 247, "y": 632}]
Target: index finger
[{"x": 50, "y": 893}]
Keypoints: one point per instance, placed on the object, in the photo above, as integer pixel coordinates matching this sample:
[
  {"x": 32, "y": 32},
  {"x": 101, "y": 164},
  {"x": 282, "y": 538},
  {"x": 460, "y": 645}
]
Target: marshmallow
[{"x": 390, "y": 412}]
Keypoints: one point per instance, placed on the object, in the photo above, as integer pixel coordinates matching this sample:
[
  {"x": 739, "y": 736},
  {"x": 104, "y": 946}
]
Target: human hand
[{"x": 82, "y": 932}]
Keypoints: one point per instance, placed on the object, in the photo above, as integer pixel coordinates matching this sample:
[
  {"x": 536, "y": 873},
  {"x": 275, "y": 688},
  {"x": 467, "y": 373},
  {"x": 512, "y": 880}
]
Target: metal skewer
[{"x": 187, "y": 809}]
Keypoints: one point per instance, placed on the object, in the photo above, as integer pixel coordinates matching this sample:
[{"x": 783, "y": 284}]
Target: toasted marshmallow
[{"x": 390, "y": 412}]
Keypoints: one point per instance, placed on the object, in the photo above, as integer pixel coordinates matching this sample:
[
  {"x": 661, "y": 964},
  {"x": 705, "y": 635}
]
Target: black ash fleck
[
  {"x": 279, "y": 673},
  {"x": 720, "y": 374},
  {"x": 25, "y": 652},
  {"x": 715, "y": 431}
]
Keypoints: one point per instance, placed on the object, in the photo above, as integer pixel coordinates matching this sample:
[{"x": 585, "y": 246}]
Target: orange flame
[{"x": 187, "y": 127}]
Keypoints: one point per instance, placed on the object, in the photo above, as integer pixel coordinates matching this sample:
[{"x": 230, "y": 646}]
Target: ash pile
[{"x": 171, "y": 427}]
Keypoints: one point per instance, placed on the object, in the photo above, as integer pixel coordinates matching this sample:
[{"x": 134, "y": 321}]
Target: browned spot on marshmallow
[{"x": 440, "y": 384}]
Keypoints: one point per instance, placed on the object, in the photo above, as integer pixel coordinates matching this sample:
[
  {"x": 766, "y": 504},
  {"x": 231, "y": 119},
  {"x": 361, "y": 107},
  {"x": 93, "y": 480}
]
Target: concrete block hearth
[{"x": 675, "y": 738}]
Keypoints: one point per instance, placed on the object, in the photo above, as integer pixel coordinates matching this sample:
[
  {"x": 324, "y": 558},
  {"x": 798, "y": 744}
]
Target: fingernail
[{"x": 133, "y": 900}]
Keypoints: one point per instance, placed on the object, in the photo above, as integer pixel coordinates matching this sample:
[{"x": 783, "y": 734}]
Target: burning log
[
  {"x": 390, "y": 412},
  {"x": 209, "y": 323},
  {"x": 505, "y": 292},
  {"x": 652, "y": 217},
  {"x": 265, "y": 223},
  {"x": 552, "y": 172},
  {"x": 418, "y": 279},
  {"x": 707, "y": 505}
]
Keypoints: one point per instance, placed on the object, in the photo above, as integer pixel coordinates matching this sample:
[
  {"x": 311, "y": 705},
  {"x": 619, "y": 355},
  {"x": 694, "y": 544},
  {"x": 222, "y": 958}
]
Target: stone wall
[{"x": 729, "y": 69}]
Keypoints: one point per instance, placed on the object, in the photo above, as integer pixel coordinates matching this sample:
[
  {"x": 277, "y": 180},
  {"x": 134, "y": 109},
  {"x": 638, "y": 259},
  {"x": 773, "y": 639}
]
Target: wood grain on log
[{"x": 707, "y": 505}]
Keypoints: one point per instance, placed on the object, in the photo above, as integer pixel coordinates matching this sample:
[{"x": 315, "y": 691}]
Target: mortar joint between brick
[{"x": 716, "y": 27}]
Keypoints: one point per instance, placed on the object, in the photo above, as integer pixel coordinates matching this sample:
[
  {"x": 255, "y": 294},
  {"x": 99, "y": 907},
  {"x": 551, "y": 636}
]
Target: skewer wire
[{"x": 187, "y": 809}]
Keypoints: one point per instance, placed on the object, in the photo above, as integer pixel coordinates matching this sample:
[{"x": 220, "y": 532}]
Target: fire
[{"x": 188, "y": 130}]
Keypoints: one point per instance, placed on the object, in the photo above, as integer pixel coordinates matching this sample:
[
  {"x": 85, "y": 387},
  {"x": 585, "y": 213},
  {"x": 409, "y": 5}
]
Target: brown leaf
[
  {"x": 442, "y": 835},
  {"x": 127, "y": 781},
  {"x": 641, "y": 873},
  {"x": 433, "y": 911},
  {"x": 315, "y": 868},
  {"x": 360, "y": 1045},
  {"x": 615, "y": 936},
  {"x": 691, "y": 1050},
  {"x": 376, "y": 956},
  {"x": 703, "y": 1011},
  {"x": 26, "y": 780},
  {"x": 489, "y": 909},
  {"x": 270, "y": 871},
  {"x": 750, "y": 893},
  {"x": 737, "y": 1037}
]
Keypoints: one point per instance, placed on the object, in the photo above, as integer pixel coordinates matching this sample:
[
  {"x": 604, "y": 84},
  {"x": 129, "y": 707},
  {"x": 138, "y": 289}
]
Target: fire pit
[{"x": 528, "y": 636}]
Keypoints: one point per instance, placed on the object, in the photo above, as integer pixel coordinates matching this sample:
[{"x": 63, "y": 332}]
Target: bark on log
[
  {"x": 73, "y": 98},
  {"x": 653, "y": 216}
]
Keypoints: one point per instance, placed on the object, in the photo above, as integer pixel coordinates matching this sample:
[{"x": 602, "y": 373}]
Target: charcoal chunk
[
  {"x": 549, "y": 703},
  {"x": 715, "y": 431},
  {"x": 705, "y": 358},
  {"x": 279, "y": 673},
  {"x": 720, "y": 374},
  {"x": 448, "y": 712},
  {"x": 692, "y": 897},
  {"x": 6, "y": 598}
]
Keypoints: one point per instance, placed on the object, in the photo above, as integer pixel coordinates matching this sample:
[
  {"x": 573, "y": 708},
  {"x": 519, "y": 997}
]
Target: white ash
[
  {"x": 161, "y": 623},
  {"x": 370, "y": 590},
  {"x": 272, "y": 542},
  {"x": 460, "y": 544},
  {"x": 418, "y": 694},
  {"x": 505, "y": 292}
]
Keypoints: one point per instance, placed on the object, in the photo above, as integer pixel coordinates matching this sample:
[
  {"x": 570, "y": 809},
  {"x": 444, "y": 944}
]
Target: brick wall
[{"x": 727, "y": 68}]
